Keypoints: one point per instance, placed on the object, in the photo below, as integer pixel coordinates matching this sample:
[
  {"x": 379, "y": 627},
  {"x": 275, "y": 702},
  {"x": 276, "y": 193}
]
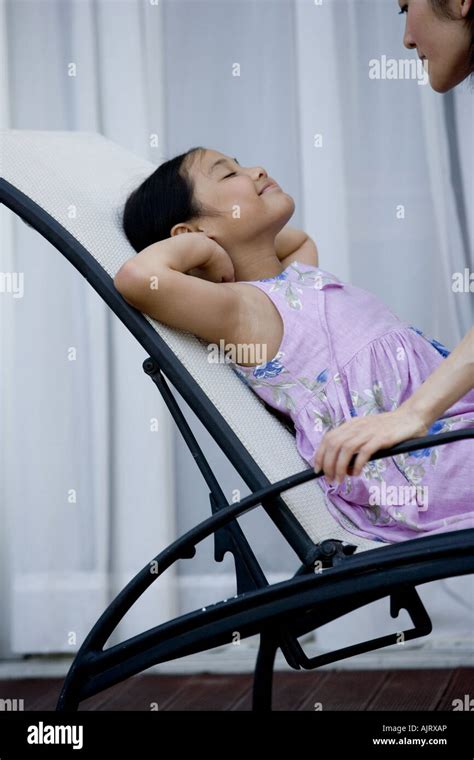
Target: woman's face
[
  {"x": 444, "y": 42},
  {"x": 246, "y": 214}
]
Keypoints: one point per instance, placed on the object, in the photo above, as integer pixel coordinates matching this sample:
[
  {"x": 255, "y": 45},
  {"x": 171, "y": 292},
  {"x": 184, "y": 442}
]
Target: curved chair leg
[
  {"x": 67, "y": 701},
  {"x": 263, "y": 676}
]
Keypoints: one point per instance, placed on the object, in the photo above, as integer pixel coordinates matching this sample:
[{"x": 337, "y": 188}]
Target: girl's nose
[{"x": 259, "y": 170}]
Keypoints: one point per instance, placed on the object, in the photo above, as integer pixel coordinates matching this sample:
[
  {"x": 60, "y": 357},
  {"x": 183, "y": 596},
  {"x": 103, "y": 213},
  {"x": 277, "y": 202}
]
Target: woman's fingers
[
  {"x": 325, "y": 445},
  {"x": 331, "y": 446},
  {"x": 365, "y": 452},
  {"x": 363, "y": 436},
  {"x": 346, "y": 451},
  {"x": 360, "y": 436},
  {"x": 364, "y": 449}
]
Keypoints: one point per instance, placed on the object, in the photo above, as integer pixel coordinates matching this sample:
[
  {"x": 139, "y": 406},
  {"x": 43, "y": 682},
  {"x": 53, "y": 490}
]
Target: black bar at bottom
[{"x": 375, "y": 734}]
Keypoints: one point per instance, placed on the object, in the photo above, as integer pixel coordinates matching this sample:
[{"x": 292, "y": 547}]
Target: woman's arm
[
  {"x": 451, "y": 380},
  {"x": 155, "y": 282},
  {"x": 295, "y": 245}
]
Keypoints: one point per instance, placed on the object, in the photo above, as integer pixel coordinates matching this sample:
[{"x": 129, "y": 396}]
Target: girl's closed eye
[{"x": 229, "y": 175}]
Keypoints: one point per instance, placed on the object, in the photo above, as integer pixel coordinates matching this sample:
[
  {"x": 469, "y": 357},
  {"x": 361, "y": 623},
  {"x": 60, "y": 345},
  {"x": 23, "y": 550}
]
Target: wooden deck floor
[{"x": 432, "y": 690}]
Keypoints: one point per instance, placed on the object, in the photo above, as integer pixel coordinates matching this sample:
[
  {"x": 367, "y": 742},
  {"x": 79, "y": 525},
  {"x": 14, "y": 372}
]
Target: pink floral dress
[{"x": 345, "y": 354}]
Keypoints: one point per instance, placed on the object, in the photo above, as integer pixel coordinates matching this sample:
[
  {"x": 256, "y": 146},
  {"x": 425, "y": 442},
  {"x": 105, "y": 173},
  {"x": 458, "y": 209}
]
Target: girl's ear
[{"x": 466, "y": 6}]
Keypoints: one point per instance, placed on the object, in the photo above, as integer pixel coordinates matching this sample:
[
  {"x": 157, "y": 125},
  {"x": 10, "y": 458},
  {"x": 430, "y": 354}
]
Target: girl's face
[
  {"x": 444, "y": 42},
  {"x": 246, "y": 213}
]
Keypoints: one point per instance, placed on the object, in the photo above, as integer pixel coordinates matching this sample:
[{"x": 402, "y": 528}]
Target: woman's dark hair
[
  {"x": 441, "y": 8},
  {"x": 164, "y": 199}
]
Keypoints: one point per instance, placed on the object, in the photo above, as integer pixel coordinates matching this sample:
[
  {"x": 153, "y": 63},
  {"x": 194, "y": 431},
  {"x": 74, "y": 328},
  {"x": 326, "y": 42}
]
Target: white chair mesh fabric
[{"x": 82, "y": 180}]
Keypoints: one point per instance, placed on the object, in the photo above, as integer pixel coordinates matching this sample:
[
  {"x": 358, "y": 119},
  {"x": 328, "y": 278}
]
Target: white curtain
[{"x": 87, "y": 489}]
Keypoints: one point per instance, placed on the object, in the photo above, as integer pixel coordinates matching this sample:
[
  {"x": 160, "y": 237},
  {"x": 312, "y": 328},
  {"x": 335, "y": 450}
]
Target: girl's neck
[{"x": 256, "y": 264}]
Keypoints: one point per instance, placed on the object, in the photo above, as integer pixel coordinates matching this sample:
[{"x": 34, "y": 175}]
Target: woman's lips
[{"x": 271, "y": 187}]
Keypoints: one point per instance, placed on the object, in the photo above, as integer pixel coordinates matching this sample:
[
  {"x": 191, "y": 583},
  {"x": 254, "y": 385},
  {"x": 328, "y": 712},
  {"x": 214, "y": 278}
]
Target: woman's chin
[
  {"x": 442, "y": 82},
  {"x": 440, "y": 86}
]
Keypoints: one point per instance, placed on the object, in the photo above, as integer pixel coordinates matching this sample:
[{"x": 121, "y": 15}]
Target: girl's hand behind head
[{"x": 218, "y": 267}]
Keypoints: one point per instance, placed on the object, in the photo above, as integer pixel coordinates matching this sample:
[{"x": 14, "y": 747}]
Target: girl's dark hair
[
  {"x": 441, "y": 8},
  {"x": 164, "y": 199}
]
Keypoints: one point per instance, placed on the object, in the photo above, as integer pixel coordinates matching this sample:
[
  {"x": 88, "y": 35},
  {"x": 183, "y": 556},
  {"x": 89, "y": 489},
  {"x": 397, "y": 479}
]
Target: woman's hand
[
  {"x": 218, "y": 267},
  {"x": 365, "y": 435}
]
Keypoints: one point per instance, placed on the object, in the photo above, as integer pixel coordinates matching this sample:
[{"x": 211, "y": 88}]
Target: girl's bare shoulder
[{"x": 260, "y": 321}]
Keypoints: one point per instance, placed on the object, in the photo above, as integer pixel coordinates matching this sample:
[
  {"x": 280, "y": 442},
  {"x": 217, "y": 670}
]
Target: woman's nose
[{"x": 408, "y": 39}]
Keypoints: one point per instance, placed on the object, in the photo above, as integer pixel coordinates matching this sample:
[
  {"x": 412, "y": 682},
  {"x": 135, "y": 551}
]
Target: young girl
[{"x": 216, "y": 259}]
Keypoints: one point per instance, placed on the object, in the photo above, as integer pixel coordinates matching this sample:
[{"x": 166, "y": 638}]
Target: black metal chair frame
[{"x": 332, "y": 580}]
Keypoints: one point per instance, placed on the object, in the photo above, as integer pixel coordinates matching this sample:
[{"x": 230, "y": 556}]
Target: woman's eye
[
  {"x": 403, "y": 10},
  {"x": 229, "y": 175}
]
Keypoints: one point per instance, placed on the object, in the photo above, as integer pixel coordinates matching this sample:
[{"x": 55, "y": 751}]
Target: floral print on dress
[
  {"x": 281, "y": 394},
  {"x": 371, "y": 400},
  {"x": 270, "y": 369},
  {"x": 323, "y": 421},
  {"x": 416, "y": 471},
  {"x": 262, "y": 377},
  {"x": 435, "y": 343},
  {"x": 317, "y": 384},
  {"x": 292, "y": 289}
]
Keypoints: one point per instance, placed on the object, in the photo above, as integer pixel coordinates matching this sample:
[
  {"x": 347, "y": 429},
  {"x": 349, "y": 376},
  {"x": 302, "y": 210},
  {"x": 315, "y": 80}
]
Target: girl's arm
[
  {"x": 295, "y": 245},
  {"x": 154, "y": 282},
  {"x": 451, "y": 380}
]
